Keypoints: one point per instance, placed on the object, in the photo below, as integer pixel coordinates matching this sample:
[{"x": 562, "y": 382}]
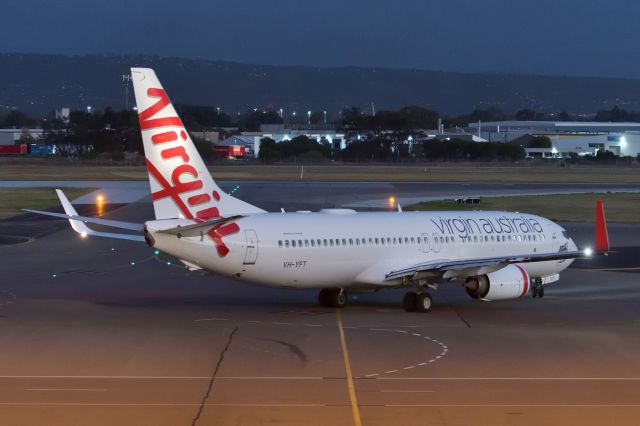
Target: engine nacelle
[{"x": 510, "y": 282}]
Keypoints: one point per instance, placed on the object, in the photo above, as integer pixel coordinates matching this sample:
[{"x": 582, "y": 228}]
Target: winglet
[
  {"x": 77, "y": 225},
  {"x": 602, "y": 236}
]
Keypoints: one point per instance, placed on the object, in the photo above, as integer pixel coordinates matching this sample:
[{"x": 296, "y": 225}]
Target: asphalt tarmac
[{"x": 105, "y": 332}]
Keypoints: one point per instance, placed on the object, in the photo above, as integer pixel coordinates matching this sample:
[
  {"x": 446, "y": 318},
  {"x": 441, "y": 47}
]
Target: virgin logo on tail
[{"x": 180, "y": 182}]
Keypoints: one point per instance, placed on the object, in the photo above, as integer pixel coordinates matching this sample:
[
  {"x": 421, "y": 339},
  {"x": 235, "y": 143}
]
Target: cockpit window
[{"x": 565, "y": 234}]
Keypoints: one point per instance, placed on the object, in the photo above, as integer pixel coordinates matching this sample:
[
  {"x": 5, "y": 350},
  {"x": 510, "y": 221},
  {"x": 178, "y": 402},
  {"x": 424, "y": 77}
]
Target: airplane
[{"x": 494, "y": 255}]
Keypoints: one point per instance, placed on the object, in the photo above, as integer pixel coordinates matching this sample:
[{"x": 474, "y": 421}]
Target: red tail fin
[{"x": 602, "y": 236}]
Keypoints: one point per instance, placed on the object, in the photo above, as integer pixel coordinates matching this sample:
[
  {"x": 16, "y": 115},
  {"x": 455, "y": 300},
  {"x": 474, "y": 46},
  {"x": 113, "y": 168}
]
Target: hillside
[{"x": 40, "y": 83}]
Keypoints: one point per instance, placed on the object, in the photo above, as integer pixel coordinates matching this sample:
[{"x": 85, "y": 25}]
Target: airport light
[
  {"x": 392, "y": 201},
  {"x": 588, "y": 252},
  {"x": 83, "y": 235},
  {"x": 623, "y": 141},
  {"x": 156, "y": 252},
  {"x": 100, "y": 198}
]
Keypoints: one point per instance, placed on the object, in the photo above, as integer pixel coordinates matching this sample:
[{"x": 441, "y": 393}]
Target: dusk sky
[{"x": 560, "y": 37}]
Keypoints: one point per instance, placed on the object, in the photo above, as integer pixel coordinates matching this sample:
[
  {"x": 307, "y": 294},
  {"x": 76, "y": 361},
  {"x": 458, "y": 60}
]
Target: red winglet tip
[{"x": 602, "y": 236}]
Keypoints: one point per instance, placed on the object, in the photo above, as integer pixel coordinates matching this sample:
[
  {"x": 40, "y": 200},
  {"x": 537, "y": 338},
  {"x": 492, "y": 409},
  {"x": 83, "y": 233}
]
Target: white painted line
[
  {"x": 281, "y": 323},
  {"x": 167, "y": 377},
  {"x": 390, "y": 371},
  {"x": 409, "y": 367},
  {"x": 313, "y": 325},
  {"x": 66, "y": 390},
  {"x": 518, "y": 405},
  {"x": 151, "y": 404},
  {"x": 568, "y": 379},
  {"x": 254, "y": 321},
  {"x": 406, "y": 391},
  {"x": 211, "y": 319}
]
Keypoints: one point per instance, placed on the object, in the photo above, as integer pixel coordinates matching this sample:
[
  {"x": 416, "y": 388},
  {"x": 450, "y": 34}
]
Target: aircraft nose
[{"x": 571, "y": 245}]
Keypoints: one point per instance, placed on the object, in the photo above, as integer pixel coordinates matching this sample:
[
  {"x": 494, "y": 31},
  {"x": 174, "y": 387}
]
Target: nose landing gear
[{"x": 330, "y": 297}]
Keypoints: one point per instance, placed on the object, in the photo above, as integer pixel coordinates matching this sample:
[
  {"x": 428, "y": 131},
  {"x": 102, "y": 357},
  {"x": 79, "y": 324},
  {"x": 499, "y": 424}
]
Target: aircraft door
[
  {"x": 426, "y": 248},
  {"x": 252, "y": 247}
]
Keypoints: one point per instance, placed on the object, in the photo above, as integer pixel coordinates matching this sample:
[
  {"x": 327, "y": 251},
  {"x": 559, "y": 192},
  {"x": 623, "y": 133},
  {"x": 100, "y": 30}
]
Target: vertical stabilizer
[{"x": 181, "y": 185}]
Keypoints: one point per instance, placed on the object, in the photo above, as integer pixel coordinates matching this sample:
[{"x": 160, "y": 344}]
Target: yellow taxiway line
[{"x": 347, "y": 366}]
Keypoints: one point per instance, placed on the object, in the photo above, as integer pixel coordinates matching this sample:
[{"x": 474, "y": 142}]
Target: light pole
[
  {"x": 325, "y": 116},
  {"x": 309, "y": 117},
  {"x": 126, "y": 79}
]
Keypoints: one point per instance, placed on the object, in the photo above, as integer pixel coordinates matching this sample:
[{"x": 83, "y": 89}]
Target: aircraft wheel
[
  {"x": 324, "y": 298},
  {"x": 339, "y": 299},
  {"x": 538, "y": 292},
  {"x": 409, "y": 301},
  {"x": 424, "y": 302}
]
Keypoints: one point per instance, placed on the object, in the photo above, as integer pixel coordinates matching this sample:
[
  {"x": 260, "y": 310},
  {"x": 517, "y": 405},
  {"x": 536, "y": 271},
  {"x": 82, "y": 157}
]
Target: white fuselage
[{"x": 344, "y": 249}]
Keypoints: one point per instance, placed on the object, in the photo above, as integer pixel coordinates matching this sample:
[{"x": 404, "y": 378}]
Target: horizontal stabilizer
[
  {"x": 111, "y": 223},
  {"x": 79, "y": 223},
  {"x": 197, "y": 229}
]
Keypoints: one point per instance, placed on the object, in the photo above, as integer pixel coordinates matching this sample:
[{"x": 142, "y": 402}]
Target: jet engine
[{"x": 510, "y": 282}]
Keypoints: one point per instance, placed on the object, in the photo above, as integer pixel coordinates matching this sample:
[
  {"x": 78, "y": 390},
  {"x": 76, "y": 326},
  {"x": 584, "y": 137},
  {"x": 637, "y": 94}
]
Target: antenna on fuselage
[{"x": 399, "y": 208}]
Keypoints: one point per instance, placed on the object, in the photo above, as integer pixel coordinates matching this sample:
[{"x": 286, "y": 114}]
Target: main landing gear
[
  {"x": 332, "y": 297},
  {"x": 537, "y": 291},
  {"x": 417, "y": 302}
]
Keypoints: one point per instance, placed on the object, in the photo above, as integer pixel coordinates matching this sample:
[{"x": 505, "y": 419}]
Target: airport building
[
  {"x": 567, "y": 138},
  {"x": 13, "y": 136}
]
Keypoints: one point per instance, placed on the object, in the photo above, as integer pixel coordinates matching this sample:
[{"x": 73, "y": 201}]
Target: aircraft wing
[
  {"x": 78, "y": 223},
  {"x": 479, "y": 266}
]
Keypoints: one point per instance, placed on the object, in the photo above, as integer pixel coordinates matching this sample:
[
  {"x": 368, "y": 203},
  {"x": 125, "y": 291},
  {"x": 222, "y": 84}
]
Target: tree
[
  {"x": 420, "y": 118},
  {"x": 17, "y": 119},
  {"x": 487, "y": 114},
  {"x": 564, "y": 116},
  {"x": 529, "y": 115},
  {"x": 540, "y": 142},
  {"x": 269, "y": 150}
]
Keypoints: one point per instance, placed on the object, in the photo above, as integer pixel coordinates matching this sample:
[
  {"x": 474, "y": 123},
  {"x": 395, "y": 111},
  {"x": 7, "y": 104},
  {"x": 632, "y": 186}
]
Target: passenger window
[
  {"x": 286, "y": 243},
  {"x": 412, "y": 240},
  {"x": 344, "y": 242},
  {"x": 446, "y": 239},
  {"x": 293, "y": 243},
  {"x": 350, "y": 241},
  {"x": 377, "y": 241},
  {"x": 475, "y": 239},
  {"x": 382, "y": 241},
  {"x": 313, "y": 243},
  {"x": 406, "y": 240},
  {"x": 299, "y": 243},
  {"x": 357, "y": 241},
  {"x": 400, "y": 240},
  {"x": 279, "y": 243},
  {"x": 419, "y": 240},
  {"x": 306, "y": 243},
  {"x": 331, "y": 242},
  {"x": 453, "y": 240},
  {"x": 325, "y": 243},
  {"x": 395, "y": 241}
]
